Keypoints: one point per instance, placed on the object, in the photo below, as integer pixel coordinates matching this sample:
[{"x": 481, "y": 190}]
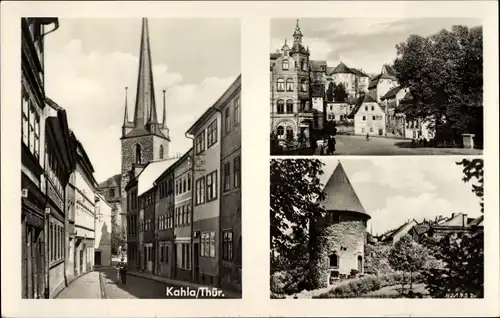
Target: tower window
[
  {"x": 281, "y": 106},
  {"x": 281, "y": 84},
  {"x": 137, "y": 153},
  {"x": 334, "y": 260},
  {"x": 289, "y": 106},
  {"x": 161, "y": 152},
  {"x": 285, "y": 65}
]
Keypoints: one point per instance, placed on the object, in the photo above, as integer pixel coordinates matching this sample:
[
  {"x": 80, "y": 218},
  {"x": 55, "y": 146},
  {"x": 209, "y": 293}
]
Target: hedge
[{"x": 367, "y": 284}]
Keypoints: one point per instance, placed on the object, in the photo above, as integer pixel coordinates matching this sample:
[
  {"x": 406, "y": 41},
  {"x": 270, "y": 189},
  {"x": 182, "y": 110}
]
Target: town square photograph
[
  {"x": 383, "y": 227},
  {"x": 376, "y": 86},
  {"x": 130, "y": 158}
]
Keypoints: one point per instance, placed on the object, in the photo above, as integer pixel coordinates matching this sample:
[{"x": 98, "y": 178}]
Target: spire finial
[
  {"x": 164, "y": 120},
  {"x": 125, "y": 116},
  {"x": 145, "y": 108}
]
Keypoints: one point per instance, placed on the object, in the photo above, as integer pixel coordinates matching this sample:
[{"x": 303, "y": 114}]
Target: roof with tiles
[
  {"x": 112, "y": 182},
  {"x": 151, "y": 172},
  {"x": 340, "y": 195},
  {"x": 342, "y": 69},
  {"x": 392, "y": 93}
]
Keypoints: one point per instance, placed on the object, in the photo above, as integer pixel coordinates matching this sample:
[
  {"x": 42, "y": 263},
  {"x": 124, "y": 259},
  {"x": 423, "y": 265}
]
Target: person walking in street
[
  {"x": 367, "y": 136},
  {"x": 124, "y": 273},
  {"x": 313, "y": 145},
  {"x": 331, "y": 145},
  {"x": 118, "y": 271}
]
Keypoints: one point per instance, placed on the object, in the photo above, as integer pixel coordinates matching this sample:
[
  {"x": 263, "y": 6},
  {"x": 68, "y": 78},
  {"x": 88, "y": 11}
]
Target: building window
[
  {"x": 289, "y": 106},
  {"x": 280, "y": 130},
  {"x": 366, "y": 108},
  {"x": 227, "y": 176},
  {"x": 189, "y": 181},
  {"x": 364, "y": 117},
  {"x": 236, "y": 112},
  {"x": 280, "y": 106},
  {"x": 237, "y": 172},
  {"x": 161, "y": 152},
  {"x": 289, "y": 85},
  {"x": 200, "y": 142},
  {"x": 207, "y": 244},
  {"x": 373, "y": 107},
  {"x": 30, "y": 127},
  {"x": 373, "y": 117},
  {"x": 212, "y": 133},
  {"x": 200, "y": 190},
  {"x": 227, "y": 121},
  {"x": 334, "y": 260},
  {"x": 212, "y": 186},
  {"x": 285, "y": 65},
  {"x": 227, "y": 245},
  {"x": 281, "y": 85},
  {"x": 371, "y": 129},
  {"x": 303, "y": 85}
]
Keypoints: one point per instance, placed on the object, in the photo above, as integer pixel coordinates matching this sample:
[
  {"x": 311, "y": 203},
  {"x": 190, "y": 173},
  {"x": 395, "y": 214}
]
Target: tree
[
  {"x": 330, "y": 91},
  {"x": 473, "y": 170},
  {"x": 408, "y": 256},
  {"x": 295, "y": 187},
  {"x": 462, "y": 276},
  {"x": 340, "y": 93},
  {"x": 462, "y": 254},
  {"x": 444, "y": 75}
]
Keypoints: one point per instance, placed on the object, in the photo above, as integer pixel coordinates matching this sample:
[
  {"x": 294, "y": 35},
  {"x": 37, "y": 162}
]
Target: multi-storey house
[{"x": 33, "y": 225}]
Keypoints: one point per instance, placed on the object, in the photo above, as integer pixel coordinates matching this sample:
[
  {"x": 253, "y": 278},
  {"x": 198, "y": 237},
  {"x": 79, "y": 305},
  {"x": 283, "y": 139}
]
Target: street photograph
[
  {"x": 130, "y": 152},
  {"x": 375, "y": 86},
  {"x": 383, "y": 227}
]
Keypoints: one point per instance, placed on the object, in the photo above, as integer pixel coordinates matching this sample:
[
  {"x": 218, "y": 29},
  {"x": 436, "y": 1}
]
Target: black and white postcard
[{"x": 354, "y": 144}]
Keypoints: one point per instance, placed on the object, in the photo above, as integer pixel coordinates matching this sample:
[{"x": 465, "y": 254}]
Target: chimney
[
  {"x": 464, "y": 219},
  {"x": 452, "y": 215}
]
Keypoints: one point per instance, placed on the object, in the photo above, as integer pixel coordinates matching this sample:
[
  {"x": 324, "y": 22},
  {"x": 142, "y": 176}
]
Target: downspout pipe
[
  {"x": 220, "y": 201},
  {"x": 193, "y": 193}
]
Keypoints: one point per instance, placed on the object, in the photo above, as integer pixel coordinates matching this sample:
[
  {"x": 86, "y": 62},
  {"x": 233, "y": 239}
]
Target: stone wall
[{"x": 346, "y": 239}]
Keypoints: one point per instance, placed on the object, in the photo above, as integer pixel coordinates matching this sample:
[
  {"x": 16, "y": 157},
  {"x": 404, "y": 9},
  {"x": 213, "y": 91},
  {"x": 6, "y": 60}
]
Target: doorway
[
  {"x": 360, "y": 264},
  {"x": 97, "y": 258},
  {"x": 196, "y": 265}
]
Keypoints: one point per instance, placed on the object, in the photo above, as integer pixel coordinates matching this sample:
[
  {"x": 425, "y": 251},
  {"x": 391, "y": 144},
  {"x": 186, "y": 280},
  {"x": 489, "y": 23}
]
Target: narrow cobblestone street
[
  {"x": 104, "y": 283},
  {"x": 84, "y": 287}
]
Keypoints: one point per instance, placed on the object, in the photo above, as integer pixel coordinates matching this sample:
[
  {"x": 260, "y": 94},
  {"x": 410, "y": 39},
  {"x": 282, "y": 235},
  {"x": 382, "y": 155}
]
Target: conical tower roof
[{"x": 340, "y": 195}]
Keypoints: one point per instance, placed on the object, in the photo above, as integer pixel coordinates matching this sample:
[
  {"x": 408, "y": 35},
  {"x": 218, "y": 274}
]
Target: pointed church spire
[
  {"x": 125, "y": 117},
  {"x": 145, "y": 107},
  {"x": 164, "y": 120}
]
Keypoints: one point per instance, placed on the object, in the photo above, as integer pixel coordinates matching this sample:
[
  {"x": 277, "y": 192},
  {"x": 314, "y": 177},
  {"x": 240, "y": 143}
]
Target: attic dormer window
[{"x": 285, "y": 65}]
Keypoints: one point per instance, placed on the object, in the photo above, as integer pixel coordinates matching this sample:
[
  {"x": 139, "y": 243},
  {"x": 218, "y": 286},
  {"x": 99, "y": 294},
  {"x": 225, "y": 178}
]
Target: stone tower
[
  {"x": 300, "y": 55},
  {"x": 144, "y": 139},
  {"x": 337, "y": 241}
]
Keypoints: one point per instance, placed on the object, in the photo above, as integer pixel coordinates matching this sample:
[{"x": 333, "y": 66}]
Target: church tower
[{"x": 143, "y": 139}]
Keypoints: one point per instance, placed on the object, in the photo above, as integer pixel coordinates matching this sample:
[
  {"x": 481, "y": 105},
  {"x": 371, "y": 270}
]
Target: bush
[{"x": 354, "y": 273}]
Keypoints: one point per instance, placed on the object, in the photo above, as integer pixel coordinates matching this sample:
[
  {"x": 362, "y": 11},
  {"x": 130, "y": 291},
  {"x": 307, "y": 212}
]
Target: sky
[
  {"x": 394, "y": 190},
  {"x": 89, "y": 62},
  {"x": 365, "y": 43}
]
